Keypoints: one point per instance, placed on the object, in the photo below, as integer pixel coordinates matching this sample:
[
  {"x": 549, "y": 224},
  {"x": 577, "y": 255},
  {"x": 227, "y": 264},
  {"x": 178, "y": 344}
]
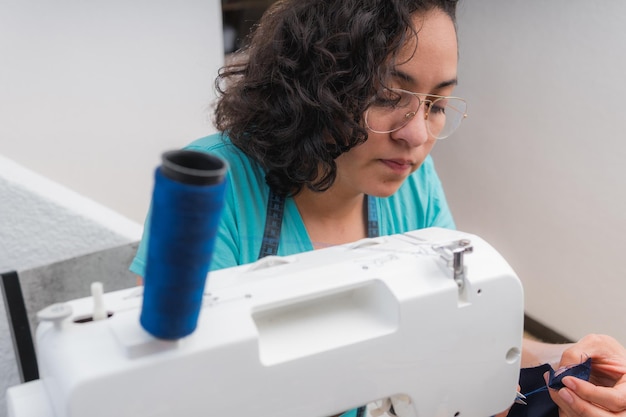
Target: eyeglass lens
[{"x": 444, "y": 115}]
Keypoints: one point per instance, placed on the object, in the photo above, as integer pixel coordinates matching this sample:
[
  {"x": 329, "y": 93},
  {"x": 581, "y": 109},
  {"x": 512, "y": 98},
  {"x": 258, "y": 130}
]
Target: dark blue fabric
[
  {"x": 581, "y": 371},
  {"x": 273, "y": 224},
  {"x": 372, "y": 217},
  {"x": 533, "y": 386}
]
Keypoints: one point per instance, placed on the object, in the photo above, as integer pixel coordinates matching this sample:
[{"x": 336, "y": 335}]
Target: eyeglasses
[{"x": 394, "y": 108}]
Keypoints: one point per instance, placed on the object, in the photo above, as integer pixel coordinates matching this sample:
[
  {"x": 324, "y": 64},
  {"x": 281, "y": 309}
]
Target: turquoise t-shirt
[{"x": 419, "y": 203}]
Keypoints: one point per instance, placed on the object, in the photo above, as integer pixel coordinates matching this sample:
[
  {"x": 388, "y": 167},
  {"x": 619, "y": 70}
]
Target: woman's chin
[{"x": 385, "y": 189}]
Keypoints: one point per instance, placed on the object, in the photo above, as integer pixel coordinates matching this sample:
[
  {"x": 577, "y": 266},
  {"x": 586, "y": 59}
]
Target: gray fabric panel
[
  {"x": 58, "y": 282},
  {"x": 72, "y": 278}
]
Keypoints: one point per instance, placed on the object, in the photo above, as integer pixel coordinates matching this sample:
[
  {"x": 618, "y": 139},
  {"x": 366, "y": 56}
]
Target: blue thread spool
[{"x": 187, "y": 202}]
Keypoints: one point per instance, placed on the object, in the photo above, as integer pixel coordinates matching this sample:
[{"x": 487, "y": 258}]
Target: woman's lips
[{"x": 399, "y": 166}]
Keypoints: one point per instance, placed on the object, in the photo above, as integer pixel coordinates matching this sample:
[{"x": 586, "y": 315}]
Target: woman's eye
[
  {"x": 392, "y": 100},
  {"x": 437, "y": 108}
]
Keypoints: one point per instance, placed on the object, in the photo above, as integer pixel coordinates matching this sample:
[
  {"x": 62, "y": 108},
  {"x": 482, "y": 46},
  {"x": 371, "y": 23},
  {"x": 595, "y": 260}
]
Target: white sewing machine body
[{"x": 310, "y": 335}]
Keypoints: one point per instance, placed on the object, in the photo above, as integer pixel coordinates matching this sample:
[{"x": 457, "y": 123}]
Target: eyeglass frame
[{"x": 426, "y": 112}]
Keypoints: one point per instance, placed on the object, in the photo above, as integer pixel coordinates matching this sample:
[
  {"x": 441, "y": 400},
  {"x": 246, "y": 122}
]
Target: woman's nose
[{"x": 415, "y": 133}]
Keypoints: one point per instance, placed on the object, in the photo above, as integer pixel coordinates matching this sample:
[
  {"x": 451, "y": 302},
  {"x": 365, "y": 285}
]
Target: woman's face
[{"x": 380, "y": 165}]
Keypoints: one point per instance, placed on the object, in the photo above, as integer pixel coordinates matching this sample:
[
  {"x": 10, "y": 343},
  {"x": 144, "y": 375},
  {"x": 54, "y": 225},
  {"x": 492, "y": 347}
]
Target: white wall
[
  {"x": 538, "y": 168},
  {"x": 92, "y": 92}
]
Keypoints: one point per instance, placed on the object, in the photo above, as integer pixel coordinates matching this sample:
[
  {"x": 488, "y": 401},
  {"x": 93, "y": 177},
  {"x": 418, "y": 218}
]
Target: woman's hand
[{"x": 605, "y": 393}]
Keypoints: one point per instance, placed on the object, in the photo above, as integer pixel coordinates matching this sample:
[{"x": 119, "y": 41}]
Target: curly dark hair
[{"x": 295, "y": 98}]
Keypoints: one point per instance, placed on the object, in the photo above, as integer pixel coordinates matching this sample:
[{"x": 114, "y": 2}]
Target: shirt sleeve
[
  {"x": 226, "y": 250},
  {"x": 138, "y": 265},
  {"x": 234, "y": 243},
  {"x": 225, "y": 253}
]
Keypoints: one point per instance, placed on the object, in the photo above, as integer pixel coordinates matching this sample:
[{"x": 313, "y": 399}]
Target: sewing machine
[{"x": 434, "y": 316}]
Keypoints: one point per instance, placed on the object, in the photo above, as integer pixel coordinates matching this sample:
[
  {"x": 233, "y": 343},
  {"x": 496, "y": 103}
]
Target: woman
[
  {"x": 306, "y": 115},
  {"x": 328, "y": 120}
]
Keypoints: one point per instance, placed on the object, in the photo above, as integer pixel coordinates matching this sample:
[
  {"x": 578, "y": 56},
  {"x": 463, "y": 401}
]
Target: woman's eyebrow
[{"x": 408, "y": 78}]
